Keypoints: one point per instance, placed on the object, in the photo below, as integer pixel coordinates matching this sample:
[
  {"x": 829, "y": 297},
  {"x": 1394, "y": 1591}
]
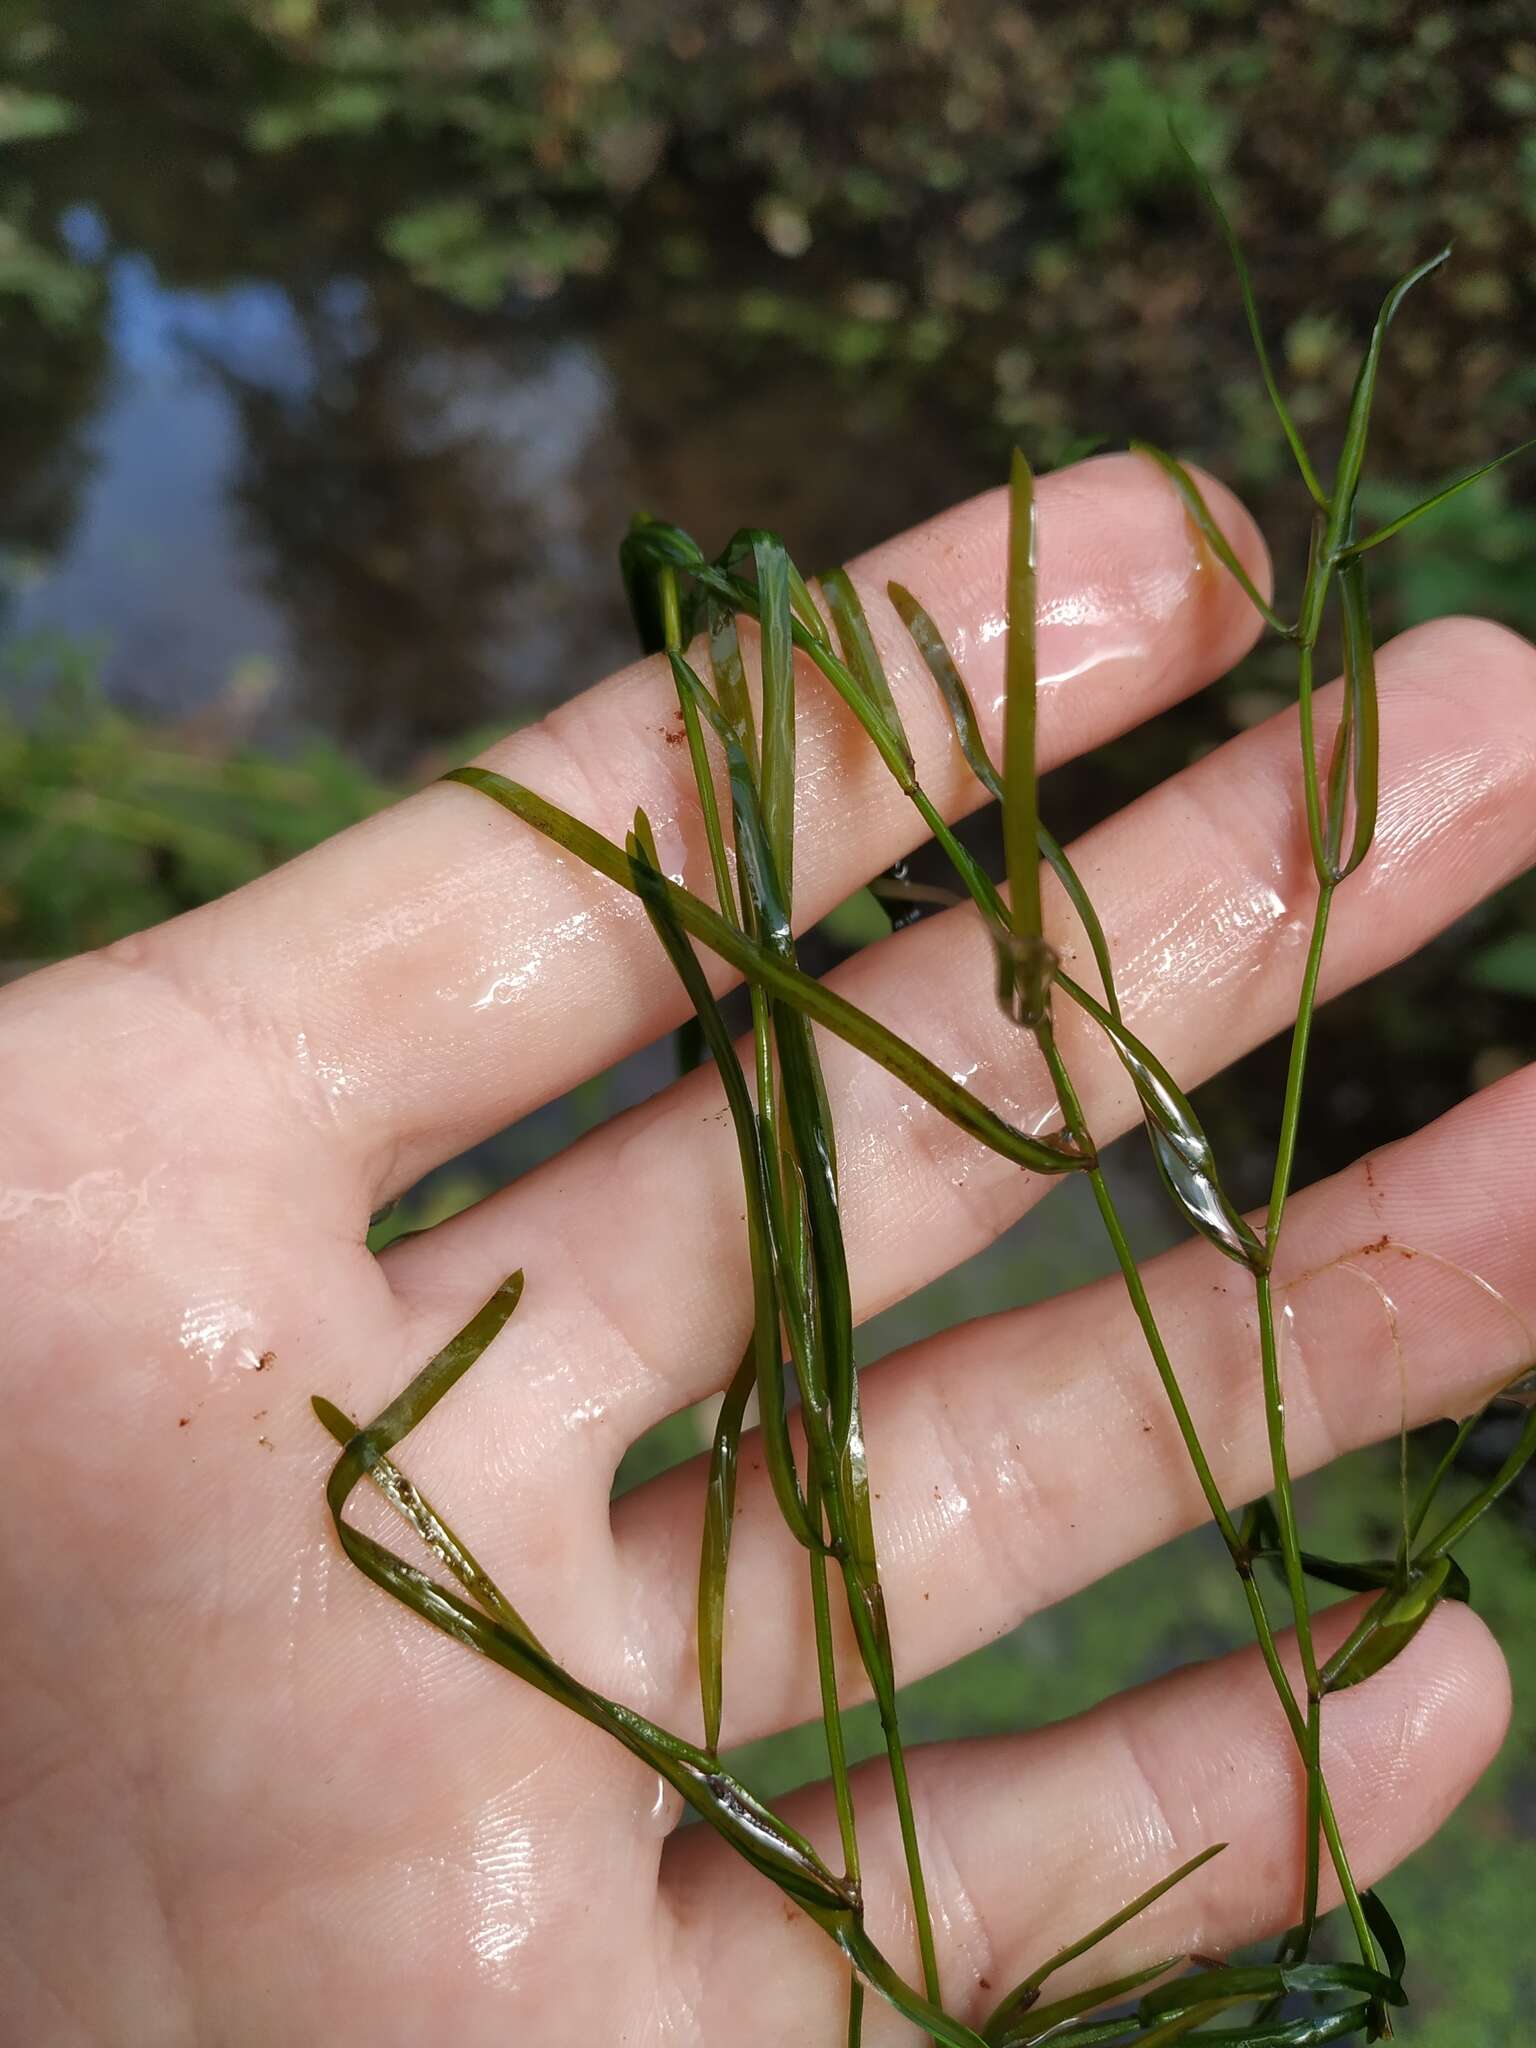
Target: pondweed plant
[{"x": 803, "y": 1329}]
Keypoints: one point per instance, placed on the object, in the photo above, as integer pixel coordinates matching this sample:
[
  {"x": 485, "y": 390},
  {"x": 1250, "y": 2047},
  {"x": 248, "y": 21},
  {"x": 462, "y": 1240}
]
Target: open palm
[{"x": 245, "y": 1799}]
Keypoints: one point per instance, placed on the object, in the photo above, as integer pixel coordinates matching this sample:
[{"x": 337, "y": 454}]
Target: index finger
[{"x": 433, "y": 974}]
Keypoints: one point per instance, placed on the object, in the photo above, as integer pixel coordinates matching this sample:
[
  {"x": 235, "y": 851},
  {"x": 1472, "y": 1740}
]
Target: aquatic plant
[{"x": 741, "y": 746}]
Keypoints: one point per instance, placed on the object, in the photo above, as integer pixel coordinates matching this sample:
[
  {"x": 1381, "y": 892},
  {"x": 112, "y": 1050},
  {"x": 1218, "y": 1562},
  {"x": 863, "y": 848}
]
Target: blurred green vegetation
[
  {"x": 964, "y": 217},
  {"x": 107, "y": 825}
]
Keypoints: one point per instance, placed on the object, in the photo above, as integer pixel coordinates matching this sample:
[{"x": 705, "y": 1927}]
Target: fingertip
[
  {"x": 1466, "y": 1680},
  {"x": 1134, "y": 612},
  {"x": 1412, "y": 1741}
]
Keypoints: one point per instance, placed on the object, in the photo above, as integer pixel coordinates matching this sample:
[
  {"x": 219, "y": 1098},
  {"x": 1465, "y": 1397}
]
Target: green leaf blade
[{"x": 1205, "y": 524}]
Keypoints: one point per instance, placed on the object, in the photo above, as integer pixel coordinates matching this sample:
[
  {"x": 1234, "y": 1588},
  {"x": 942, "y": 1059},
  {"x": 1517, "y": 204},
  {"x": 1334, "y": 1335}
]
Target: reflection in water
[
  {"x": 329, "y": 500},
  {"x": 413, "y": 536}
]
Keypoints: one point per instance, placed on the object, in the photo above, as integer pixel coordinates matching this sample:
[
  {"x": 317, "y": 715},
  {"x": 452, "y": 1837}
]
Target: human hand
[{"x": 245, "y": 1800}]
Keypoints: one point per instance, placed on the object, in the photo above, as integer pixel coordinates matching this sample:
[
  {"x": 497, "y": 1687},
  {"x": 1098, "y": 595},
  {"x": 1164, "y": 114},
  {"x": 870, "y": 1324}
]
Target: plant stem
[
  {"x": 837, "y": 1752},
  {"x": 1302, "y": 1728},
  {"x": 1478, "y": 1506}
]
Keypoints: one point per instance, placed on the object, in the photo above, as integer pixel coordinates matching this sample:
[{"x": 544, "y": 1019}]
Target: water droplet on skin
[
  {"x": 664, "y": 1811},
  {"x": 508, "y": 978},
  {"x": 671, "y": 849},
  {"x": 1047, "y": 679},
  {"x": 504, "y": 1883},
  {"x": 1202, "y": 936},
  {"x": 213, "y": 1332},
  {"x": 328, "y": 1074},
  {"x": 505, "y": 987}
]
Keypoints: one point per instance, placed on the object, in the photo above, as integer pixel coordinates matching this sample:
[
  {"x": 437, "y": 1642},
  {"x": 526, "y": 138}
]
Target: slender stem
[
  {"x": 1420, "y": 1514},
  {"x": 1290, "y": 1114},
  {"x": 1301, "y": 1727},
  {"x": 1072, "y": 1116},
  {"x": 921, "y": 1912},
  {"x": 837, "y": 1752},
  {"x": 1502, "y": 1480},
  {"x": 1290, "y": 1548},
  {"x": 1274, "y": 1417},
  {"x": 855, "y": 2009},
  {"x": 826, "y": 1666}
]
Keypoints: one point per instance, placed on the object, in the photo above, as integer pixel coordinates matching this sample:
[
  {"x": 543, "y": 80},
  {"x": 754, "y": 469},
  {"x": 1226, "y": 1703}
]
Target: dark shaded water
[{"x": 329, "y": 501}]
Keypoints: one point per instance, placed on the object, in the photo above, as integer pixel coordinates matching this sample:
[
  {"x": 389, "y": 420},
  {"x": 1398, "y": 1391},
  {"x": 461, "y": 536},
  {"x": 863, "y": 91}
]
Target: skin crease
[{"x": 244, "y": 1798}]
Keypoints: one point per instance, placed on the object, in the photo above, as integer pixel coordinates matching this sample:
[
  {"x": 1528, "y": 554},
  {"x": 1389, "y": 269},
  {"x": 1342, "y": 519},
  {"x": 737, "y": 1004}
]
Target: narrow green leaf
[
  {"x": 1309, "y": 2032},
  {"x": 801, "y": 991},
  {"x": 413, "y": 1507},
  {"x": 1034, "y": 2021},
  {"x": 1364, "y": 746},
  {"x": 1465, "y": 1518},
  {"x": 704, "y": 781},
  {"x": 778, "y": 769},
  {"x": 1025, "y": 1993},
  {"x": 1366, "y": 1577},
  {"x": 762, "y": 877},
  {"x": 715, "y": 1550},
  {"x": 889, "y": 742},
  {"x": 1234, "y": 1983},
  {"x": 1357, "y": 427},
  {"x": 808, "y": 1119},
  {"x": 647, "y": 549},
  {"x": 1389, "y": 1626},
  {"x": 1395, "y": 526},
  {"x": 962, "y": 711},
  {"x": 855, "y": 2034},
  {"x": 767, "y": 1356},
  {"x": 1250, "y": 308},
  {"x": 1021, "y": 802},
  {"x": 436, "y": 1377},
  {"x": 1180, "y": 1147},
  {"x": 938, "y": 2025},
  {"x": 1200, "y": 514},
  {"x": 769, "y": 1844},
  {"x": 730, "y": 675},
  {"x": 1260, "y": 1531},
  {"x": 1388, "y": 1939},
  {"x": 860, "y": 652},
  {"x": 929, "y": 643},
  {"x": 810, "y": 1128},
  {"x": 1177, "y": 2027},
  {"x": 805, "y": 608}
]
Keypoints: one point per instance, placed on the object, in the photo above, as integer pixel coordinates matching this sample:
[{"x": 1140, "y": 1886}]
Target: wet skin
[{"x": 245, "y": 1799}]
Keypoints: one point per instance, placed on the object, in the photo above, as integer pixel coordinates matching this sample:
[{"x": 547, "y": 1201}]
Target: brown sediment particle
[{"x": 267, "y": 1358}]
